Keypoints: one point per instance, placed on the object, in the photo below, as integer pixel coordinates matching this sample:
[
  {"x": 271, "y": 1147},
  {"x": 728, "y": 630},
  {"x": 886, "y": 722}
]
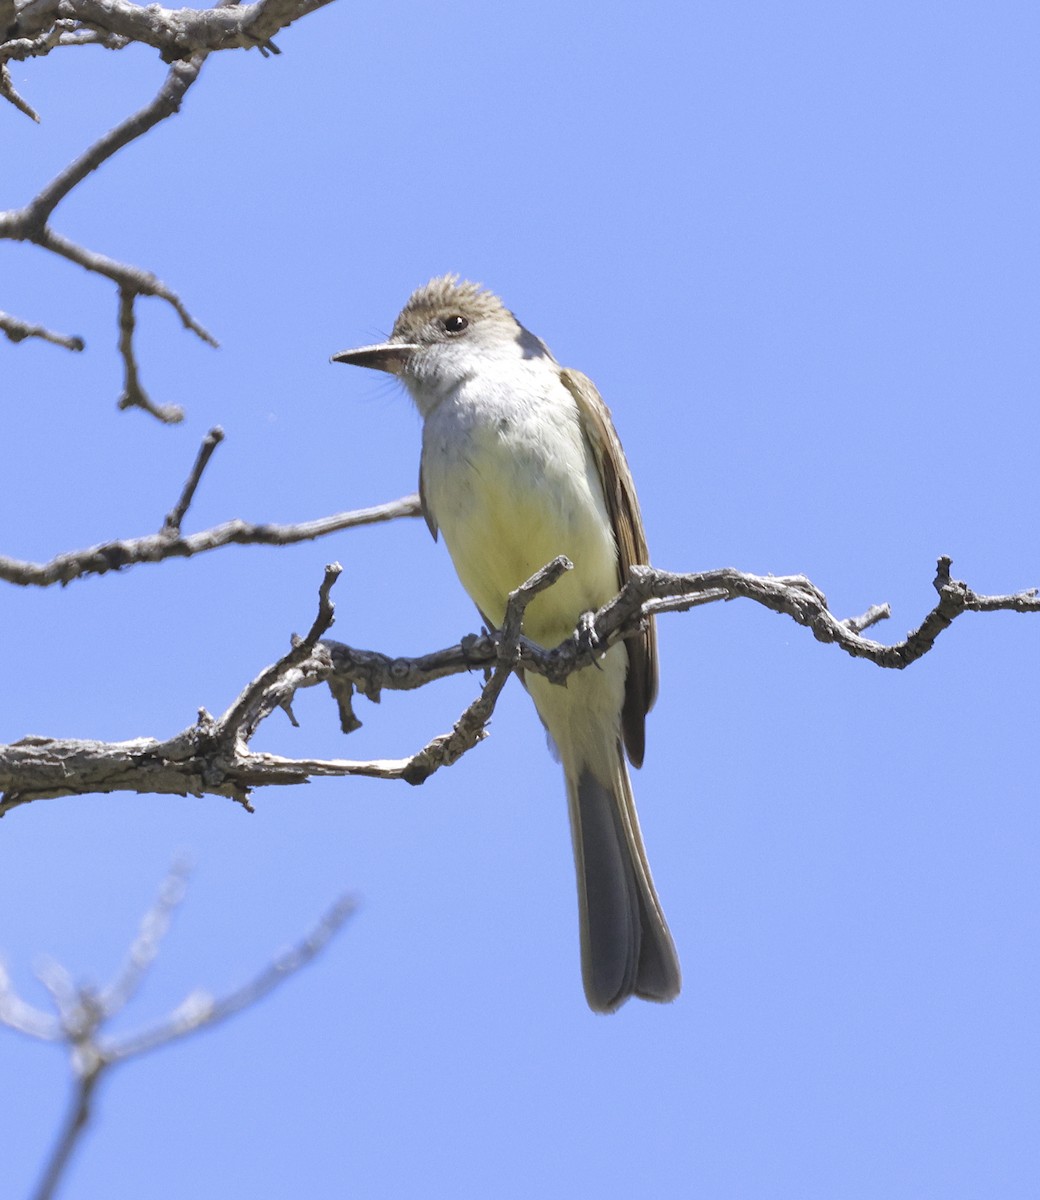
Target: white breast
[{"x": 511, "y": 483}]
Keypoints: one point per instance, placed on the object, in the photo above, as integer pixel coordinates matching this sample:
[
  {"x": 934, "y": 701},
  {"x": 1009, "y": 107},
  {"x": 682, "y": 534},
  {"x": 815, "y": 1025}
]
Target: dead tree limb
[{"x": 212, "y": 756}]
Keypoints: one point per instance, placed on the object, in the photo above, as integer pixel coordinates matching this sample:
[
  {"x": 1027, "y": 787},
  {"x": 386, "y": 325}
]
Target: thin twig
[
  {"x": 18, "y": 49},
  {"x": 200, "y": 1010},
  {"x": 7, "y": 89},
  {"x": 165, "y": 103},
  {"x": 471, "y": 727},
  {"x": 134, "y": 279},
  {"x": 258, "y": 698},
  {"x": 19, "y": 1015},
  {"x": 185, "y": 38},
  {"x": 172, "y": 524},
  {"x": 31, "y": 224},
  {"x": 144, "y": 949},
  {"x": 133, "y": 394},
  {"x": 874, "y": 614},
  {"x": 18, "y": 330},
  {"x": 81, "y": 1013},
  {"x": 156, "y": 547},
  {"x": 76, "y": 1120},
  {"x": 61, "y": 988}
]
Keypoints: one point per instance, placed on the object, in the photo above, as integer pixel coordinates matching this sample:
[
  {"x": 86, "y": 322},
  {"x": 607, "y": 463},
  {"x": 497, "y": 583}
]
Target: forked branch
[
  {"x": 170, "y": 542},
  {"x": 184, "y": 37},
  {"x": 212, "y": 756},
  {"x": 82, "y": 1013}
]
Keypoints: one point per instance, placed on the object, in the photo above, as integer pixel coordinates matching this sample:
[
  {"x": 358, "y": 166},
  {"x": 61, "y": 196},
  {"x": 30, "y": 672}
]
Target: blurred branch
[
  {"x": 200, "y": 1010},
  {"x": 212, "y": 756},
  {"x": 169, "y": 542},
  {"x": 82, "y": 1012},
  {"x": 184, "y": 37},
  {"x": 144, "y": 949}
]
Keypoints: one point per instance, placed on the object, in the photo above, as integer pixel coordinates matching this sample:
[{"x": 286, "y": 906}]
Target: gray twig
[
  {"x": 7, "y": 88},
  {"x": 155, "y": 924},
  {"x": 200, "y": 1010},
  {"x": 471, "y": 727},
  {"x": 17, "y": 331},
  {"x": 81, "y": 1012},
  {"x": 169, "y": 542},
  {"x": 164, "y": 104},
  {"x": 134, "y": 395},
  {"x": 76, "y": 1120},
  {"x": 184, "y": 37},
  {"x": 172, "y": 524},
  {"x": 31, "y": 224},
  {"x": 132, "y": 279}
]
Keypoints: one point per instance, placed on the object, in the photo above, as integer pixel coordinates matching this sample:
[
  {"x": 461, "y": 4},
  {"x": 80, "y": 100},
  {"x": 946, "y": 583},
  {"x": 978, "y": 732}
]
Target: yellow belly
[{"x": 504, "y": 515}]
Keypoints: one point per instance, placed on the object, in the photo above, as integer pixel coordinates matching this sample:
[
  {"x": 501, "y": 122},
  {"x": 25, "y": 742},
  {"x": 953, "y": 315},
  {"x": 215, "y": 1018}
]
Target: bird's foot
[{"x": 588, "y": 639}]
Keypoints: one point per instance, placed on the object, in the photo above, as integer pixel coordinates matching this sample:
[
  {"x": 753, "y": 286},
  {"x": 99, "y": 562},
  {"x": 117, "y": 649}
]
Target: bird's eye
[{"x": 454, "y": 324}]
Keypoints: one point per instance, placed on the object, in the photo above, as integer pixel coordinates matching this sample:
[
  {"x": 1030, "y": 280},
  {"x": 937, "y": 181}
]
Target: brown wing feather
[
  {"x": 431, "y": 524},
  {"x": 619, "y": 490}
]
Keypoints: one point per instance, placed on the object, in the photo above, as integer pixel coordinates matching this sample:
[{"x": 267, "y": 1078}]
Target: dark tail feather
[{"x": 626, "y": 949}]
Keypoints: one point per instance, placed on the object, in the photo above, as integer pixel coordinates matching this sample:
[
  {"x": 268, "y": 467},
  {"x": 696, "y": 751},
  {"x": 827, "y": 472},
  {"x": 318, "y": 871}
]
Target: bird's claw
[{"x": 588, "y": 639}]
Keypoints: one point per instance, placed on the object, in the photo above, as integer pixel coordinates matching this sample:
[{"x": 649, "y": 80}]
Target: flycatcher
[{"x": 521, "y": 463}]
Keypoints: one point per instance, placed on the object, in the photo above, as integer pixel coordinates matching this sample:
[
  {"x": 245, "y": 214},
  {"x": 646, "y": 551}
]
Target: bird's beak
[{"x": 391, "y": 357}]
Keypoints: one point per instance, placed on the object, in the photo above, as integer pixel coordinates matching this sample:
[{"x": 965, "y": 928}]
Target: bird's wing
[
  {"x": 619, "y": 491},
  {"x": 424, "y": 508}
]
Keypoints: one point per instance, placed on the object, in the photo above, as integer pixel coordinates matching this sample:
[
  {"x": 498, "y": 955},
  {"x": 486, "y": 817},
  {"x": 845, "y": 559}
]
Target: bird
[{"x": 520, "y": 464}]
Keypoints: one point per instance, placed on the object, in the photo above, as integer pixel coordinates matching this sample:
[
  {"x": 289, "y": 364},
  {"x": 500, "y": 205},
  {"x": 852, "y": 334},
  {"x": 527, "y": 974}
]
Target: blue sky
[{"x": 796, "y": 247}]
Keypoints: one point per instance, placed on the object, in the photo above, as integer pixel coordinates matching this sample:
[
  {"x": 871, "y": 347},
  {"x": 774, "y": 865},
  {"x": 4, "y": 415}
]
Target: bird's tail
[{"x": 626, "y": 948}]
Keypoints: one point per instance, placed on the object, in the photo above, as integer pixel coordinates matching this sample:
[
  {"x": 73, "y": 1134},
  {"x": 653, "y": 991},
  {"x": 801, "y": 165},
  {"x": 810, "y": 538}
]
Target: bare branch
[
  {"x": 144, "y": 949},
  {"x": 800, "y": 599},
  {"x": 165, "y": 103},
  {"x": 30, "y": 224},
  {"x": 172, "y": 524},
  {"x": 18, "y": 331},
  {"x": 18, "y": 49},
  {"x": 133, "y": 279},
  {"x": 211, "y": 757},
  {"x": 184, "y": 37},
  {"x": 176, "y": 33},
  {"x": 114, "y": 556},
  {"x": 19, "y": 1015},
  {"x": 874, "y": 614},
  {"x": 7, "y": 89},
  {"x": 134, "y": 395},
  {"x": 200, "y": 1010},
  {"x": 170, "y": 543},
  {"x": 72, "y": 35},
  {"x": 75, "y": 1122},
  {"x": 63, "y": 992},
  {"x": 262, "y": 695},
  {"x": 82, "y": 1013},
  {"x": 471, "y": 727}
]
